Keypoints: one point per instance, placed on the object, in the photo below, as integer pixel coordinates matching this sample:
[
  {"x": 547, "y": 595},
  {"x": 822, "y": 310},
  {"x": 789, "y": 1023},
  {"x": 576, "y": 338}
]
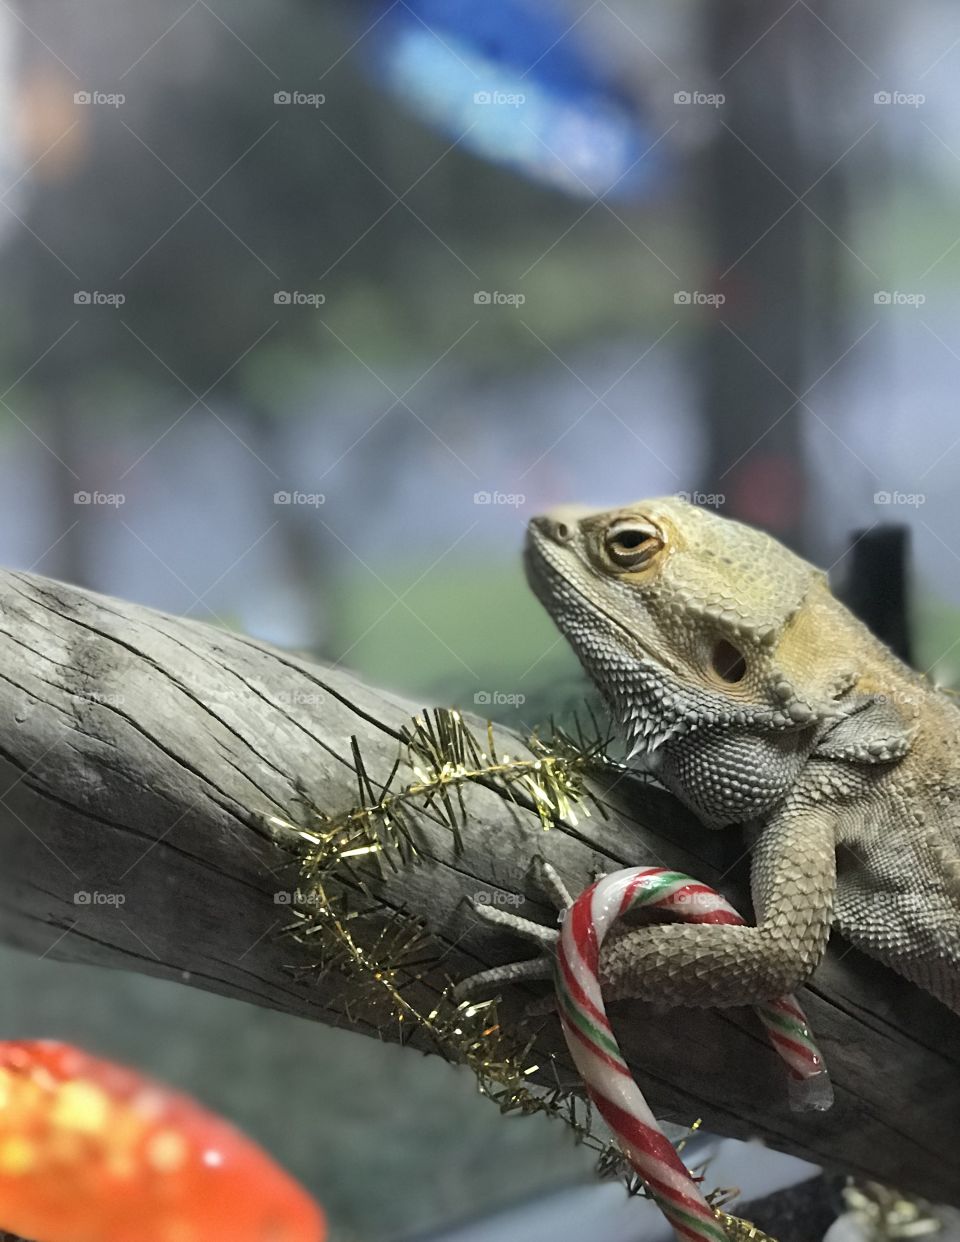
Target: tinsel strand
[{"x": 335, "y": 851}]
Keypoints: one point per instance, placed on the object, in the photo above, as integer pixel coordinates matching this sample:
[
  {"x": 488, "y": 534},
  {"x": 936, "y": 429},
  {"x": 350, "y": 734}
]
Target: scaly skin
[{"x": 757, "y": 698}]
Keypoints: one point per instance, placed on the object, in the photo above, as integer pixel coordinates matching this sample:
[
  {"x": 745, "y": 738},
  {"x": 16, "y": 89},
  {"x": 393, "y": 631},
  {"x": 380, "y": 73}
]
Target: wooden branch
[{"x": 139, "y": 753}]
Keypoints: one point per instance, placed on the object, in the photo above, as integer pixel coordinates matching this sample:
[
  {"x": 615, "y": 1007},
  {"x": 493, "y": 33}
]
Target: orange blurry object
[{"x": 93, "y": 1152}]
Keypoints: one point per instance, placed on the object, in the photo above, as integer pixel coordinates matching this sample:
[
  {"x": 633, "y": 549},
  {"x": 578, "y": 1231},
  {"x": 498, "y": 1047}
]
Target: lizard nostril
[{"x": 561, "y": 531}]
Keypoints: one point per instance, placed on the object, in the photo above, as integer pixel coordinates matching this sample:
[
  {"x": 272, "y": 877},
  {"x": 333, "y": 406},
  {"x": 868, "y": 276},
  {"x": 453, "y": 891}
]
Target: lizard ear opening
[{"x": 727, "y": 662}]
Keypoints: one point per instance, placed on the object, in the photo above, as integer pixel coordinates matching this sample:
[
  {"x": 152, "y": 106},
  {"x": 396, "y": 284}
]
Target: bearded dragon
[{"x": 757, "y": 698}]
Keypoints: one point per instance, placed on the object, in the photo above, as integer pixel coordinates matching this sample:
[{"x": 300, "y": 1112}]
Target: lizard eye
[{"x": 631, "y": 544}]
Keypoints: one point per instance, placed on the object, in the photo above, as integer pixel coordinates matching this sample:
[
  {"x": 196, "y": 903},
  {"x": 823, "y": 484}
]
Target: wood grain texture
[{"x": 138, "y": 753}]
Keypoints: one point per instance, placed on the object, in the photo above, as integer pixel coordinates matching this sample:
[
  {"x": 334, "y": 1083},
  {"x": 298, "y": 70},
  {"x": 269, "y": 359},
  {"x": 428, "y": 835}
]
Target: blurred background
[{"x": 306, "y": 307}]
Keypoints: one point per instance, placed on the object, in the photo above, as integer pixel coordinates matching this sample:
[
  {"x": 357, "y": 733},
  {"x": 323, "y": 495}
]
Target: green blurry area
[
  {"x": 471, "y": 628},
  {"x": 937, "y": 640}
]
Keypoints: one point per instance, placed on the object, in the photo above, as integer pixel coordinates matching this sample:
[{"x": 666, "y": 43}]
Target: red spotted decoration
[{"x": 93, "y": 1152}]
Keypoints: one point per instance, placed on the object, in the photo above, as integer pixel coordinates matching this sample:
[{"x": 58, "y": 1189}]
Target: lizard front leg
[
  {"x": 793, "y": 881},
  {"x": 541, "y": 967}
]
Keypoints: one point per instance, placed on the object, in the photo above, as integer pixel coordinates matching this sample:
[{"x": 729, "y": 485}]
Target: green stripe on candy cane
[{"x": 597, "y": 1056}]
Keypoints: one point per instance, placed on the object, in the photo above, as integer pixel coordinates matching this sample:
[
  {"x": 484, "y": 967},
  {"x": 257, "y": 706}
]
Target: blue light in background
[{"x": 516, "y": 86}]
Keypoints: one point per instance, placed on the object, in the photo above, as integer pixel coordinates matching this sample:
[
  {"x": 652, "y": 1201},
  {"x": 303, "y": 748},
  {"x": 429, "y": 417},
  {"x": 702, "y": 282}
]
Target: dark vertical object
[
  {"x": 877, "y": 583},
  {"x": 797, "y": 1213},
  {"x": 777, "y": 267}
]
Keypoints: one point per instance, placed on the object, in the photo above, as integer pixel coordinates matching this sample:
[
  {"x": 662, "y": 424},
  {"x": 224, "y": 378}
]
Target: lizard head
[{"x": 694, "y": 628}]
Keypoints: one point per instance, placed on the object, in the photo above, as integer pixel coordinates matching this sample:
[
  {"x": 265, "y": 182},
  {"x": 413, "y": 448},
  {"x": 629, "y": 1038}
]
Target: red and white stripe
[{"x": 597, "y": 1056}]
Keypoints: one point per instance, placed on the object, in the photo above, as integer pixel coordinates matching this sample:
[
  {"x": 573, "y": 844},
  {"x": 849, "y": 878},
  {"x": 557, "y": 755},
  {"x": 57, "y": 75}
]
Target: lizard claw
[
  {"x": 550, "y": 883},
  {"x": 539, "y": 967}
]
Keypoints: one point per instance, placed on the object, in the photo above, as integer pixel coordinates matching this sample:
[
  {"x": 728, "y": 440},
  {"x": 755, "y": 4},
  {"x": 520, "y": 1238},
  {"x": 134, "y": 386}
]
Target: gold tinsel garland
[
  {"x": 385, "y": 953},
  {"x": 884, "y": 1214}
]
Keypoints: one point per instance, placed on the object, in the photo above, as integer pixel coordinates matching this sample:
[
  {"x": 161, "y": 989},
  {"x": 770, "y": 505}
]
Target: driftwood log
[{"x": 140, "y": 752}]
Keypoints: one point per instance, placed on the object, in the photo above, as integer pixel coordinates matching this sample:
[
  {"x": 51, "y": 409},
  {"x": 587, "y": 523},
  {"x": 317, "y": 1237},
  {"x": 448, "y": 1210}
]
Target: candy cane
[{"x": 598, "y": 1058}]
